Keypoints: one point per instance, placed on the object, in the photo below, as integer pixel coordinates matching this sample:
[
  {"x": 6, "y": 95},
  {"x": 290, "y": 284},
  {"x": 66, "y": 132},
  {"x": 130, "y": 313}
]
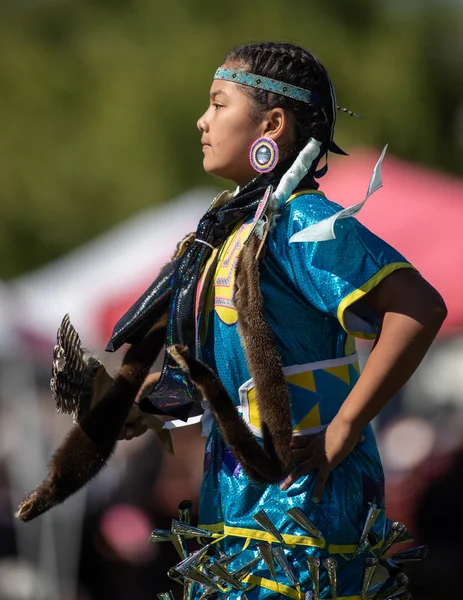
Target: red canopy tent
[{"x": 418, "y": 211}]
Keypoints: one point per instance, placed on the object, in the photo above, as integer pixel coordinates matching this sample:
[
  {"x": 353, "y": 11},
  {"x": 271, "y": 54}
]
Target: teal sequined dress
[{"x": 312, "y": 295}]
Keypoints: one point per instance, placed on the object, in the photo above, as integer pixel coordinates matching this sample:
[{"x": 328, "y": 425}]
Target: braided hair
[{"x": 296, "y": 66}]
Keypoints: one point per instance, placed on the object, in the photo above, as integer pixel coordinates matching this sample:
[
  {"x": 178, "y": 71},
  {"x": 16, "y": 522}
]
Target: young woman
[
  {"x": 293, "y": 491},
  {"x": 316, "y": 297}
]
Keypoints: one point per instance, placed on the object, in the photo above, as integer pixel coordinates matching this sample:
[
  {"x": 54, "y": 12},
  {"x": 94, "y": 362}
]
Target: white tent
[
  {"x": 8, "y": 339},
  {"x": 126, "y": 258}
]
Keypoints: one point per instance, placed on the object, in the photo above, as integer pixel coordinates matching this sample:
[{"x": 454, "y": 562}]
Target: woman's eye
[{"x": 217, "y": 106}]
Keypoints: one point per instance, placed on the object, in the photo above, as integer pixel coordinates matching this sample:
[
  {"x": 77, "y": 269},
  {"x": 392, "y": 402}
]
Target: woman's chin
[
  {"x": 216, "y": 170},
  {"x": 225, "y": 173}
]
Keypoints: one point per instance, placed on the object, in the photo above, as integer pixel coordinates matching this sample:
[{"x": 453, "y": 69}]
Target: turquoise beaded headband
[
  {"x": 267, "y": 84},
  {"x": 279, "y": 87}
]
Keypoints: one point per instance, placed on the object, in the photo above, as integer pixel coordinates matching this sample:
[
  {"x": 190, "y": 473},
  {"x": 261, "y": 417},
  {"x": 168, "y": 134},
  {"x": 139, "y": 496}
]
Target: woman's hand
[
  {"x": 136, "y": 424},
  {"x": 321, "y": 451}
]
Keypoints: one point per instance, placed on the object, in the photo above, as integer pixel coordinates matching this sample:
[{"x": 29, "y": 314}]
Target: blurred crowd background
[{"x": 100, "y": 176}]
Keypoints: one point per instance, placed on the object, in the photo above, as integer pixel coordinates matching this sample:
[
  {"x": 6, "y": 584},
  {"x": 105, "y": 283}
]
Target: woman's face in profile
[{"x": 228, "y": 132}]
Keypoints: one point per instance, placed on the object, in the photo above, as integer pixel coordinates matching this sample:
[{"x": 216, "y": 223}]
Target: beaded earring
[{"x": 263, "y": 155}]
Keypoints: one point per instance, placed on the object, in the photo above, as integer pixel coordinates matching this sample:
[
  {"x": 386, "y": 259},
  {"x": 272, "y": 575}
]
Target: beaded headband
[
  {"x": 264, "y": 83},
  {"x": 278, "y": 87}
]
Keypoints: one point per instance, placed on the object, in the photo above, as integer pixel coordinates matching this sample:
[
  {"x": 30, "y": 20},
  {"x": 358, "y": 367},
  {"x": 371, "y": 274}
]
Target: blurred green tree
[{"x": 99, "y": 99}]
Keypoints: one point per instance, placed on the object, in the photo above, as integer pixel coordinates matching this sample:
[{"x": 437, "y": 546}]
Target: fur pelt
[
  {"x": 271, "y": 461},
  {"x": 91, "y": 442},
  {"x": 263, "y": 359}
]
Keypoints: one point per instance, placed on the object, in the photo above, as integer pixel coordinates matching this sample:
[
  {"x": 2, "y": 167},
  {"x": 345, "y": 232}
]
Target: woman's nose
[{"x": 202, "y": 124}]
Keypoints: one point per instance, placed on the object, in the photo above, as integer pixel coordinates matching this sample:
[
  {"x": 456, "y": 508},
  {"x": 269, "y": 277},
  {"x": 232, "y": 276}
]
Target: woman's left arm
[{"x": 412, "y": 314}]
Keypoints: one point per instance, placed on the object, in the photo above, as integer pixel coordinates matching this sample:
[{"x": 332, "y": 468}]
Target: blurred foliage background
[{"x": 99, "y": 99}]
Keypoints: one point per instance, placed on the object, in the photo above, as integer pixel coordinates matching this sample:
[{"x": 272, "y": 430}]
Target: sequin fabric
[{"x": 307, "y": 290}]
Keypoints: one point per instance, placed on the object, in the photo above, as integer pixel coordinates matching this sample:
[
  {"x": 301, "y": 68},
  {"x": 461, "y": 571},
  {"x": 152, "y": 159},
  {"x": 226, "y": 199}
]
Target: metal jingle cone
[
  {"x": 309, "y": 596},
  {"x": 221, "y": 585},
  {"x": 393, "y": 586},
  {"x": 373, "y": 514},
  {"x": 397, "y": 530},
  {"x": 314, "y": 569},
  {"x": 196, "y": 575},
  {"x": 192, "y": 561},
  {"x": 266, "y": 553},
  {"x": 331, "y": 566},
  {"x": 184, "y": 511},
  {"x": 186, "y": 530},
  {"x": 281, "y": 559},
  {"x": 418, "y": 553},
  {"x": 164, "y": 535},
  {"x": 208, "y": 594},
  {"x": 180, "y": 545},
  {"x": 225, "y": 560},
  {"x": 246, "y": 568},
  {"x": 221, "y": 572},
  {"x": 370, "y": 568},
  {"x": 166, "y": 596},
  {"x": 405, "y": 537},
  {"x": 301, "y": 519},
  {"x": 175, "y": 575},
  {"x": 264, "y": 521},
  {"x": 160, "y": 535}
]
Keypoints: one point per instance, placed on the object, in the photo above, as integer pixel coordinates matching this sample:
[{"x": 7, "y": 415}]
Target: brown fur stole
[{"x": 271, "y": 461}]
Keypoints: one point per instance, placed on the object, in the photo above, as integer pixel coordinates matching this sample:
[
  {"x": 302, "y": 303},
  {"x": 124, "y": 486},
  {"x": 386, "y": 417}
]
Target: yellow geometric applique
[
  {"x": 224, "y": 277},
  {"x": 313, "y": 419},
  {"x": 342, "y": 372},
  {"x": 254, "y": 415},
  {"x": 303, "y": 380},
  {"x": 356, "y": 367}
]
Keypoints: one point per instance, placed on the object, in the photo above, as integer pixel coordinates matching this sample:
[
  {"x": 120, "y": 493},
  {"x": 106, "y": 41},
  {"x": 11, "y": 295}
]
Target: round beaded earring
[{"x": 263, "y": 155}]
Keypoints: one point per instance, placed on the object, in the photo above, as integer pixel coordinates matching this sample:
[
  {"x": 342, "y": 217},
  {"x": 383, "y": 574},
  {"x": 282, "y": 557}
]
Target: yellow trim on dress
[
  {"x": 214, "y": 527},
  {"x": 290, "y": 540},
  {"x": 270, "y": 584},
  {"x": 285, "y": 590},
  {"x": 222, "y": 530},
  {"x": 304, "y": 192},
  {"x": 362, "y": 291},
  {"x": 349, "y": 548}
]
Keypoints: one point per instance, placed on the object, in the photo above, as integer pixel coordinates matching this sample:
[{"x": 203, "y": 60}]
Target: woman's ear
[{"x": 278, "y": 125}]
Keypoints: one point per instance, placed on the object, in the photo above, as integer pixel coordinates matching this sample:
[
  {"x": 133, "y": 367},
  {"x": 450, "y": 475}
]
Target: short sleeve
[{"x": 335, "y": 275}]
